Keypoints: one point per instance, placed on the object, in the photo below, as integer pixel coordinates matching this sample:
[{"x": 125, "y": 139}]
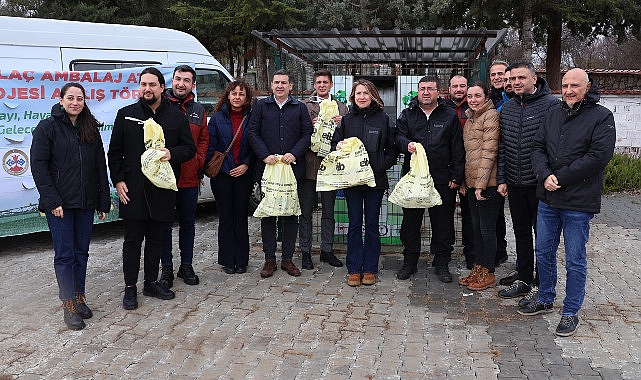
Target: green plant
[{"x": 623, "y": 173}]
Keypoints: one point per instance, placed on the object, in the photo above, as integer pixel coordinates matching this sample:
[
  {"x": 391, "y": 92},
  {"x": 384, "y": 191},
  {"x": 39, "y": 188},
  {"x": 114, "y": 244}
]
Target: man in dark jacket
[
  {"x": 181, "y": 96},
  {"x": 570, "y": 153},
  {"x": 322, "y": 87},
  {"x": 521, "y": 118},
  {"x": 145, "y": 207},
  {"x": 429, "y": 121},
  {"x": 279, "y": 125}
]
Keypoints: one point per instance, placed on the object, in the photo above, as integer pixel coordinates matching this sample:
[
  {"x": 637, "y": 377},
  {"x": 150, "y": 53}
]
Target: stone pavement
[{"x": 315, "y": 326}]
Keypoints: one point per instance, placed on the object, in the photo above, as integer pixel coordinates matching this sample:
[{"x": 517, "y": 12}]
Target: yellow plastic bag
[
  {"x": 280, "y": 194},
  {"x": 346, "y": 167},
  {"x": 416, "y": 188},
  {"x": 158, "y": 172},
  {"x": 324, "y": 128}
]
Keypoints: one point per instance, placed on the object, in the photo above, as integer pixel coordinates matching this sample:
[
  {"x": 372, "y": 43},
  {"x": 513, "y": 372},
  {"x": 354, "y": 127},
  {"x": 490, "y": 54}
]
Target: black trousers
[
  {"x": 441, "y": 221},
  {"x": 523, "y": 208},
  {"x": 136, "y": 231}
]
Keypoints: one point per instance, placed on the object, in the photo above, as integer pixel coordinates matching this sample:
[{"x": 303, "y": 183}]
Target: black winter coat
[
  {"x": 67, "y": 173},
  {"x": 441, "y": 137},
  {"x": 575, "y": 144},
  {"x": 376, "y": 131},
  {"x": 520, "y": 119},
  {"x": 147, "y": 201},
  {"x": 274, "y": 130}
]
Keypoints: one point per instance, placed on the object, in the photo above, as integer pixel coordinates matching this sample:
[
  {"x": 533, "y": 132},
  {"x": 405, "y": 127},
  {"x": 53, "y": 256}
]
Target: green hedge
[{"x": 623, "y": 173}]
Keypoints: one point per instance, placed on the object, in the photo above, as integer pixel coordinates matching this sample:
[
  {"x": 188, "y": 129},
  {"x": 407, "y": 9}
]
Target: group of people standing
[{"x": 480, "y": 142}]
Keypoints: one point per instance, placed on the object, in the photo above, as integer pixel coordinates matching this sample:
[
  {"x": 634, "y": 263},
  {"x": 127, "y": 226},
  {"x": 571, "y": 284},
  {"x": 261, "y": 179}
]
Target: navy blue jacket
[
  {"x": 272, "y": 130},
  {"x": 441, "y": 136},
  {"x": 67, "y": 173},
  {"x": 220, "y": 136},
  {"x": 575, "y": 144},
  {"x": 376, "y": 131}
]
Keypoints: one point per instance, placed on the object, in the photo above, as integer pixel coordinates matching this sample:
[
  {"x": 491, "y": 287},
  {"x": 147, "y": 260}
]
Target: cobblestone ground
[{"x": 315, "y": 326}]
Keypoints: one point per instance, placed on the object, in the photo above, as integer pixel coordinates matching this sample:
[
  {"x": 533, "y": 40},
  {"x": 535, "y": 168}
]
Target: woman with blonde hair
[{"x": 369, "y": 123}]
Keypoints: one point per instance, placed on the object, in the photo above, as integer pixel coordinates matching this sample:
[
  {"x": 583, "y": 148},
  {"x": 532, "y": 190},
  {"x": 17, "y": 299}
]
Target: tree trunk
[
  {"x": 261, "y": 65},
  {"x": 230, "y": 55},
  {"x": 528, "y": 38},
  {"x": 553, "y": 56}
]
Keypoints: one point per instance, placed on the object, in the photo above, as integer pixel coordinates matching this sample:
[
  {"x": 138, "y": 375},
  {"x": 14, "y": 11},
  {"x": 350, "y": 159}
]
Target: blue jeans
[
  {"x": 186, "y": 201},
  {"x": 576, "y": 232},
  {"x": 71, "y": 236},
  {"x": 363, "y": 257}
]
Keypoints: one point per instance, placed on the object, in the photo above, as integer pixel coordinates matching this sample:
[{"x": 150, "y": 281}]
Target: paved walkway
[{"x": 315, "y": 326}]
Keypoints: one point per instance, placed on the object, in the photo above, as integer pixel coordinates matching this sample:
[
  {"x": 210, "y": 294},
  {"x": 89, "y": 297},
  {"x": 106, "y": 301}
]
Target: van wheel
[{"x": 255, "y": 197}]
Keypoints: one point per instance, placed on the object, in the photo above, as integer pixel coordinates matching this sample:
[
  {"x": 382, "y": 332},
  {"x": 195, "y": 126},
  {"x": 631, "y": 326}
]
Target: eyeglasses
[{"x": 430, "y": 89}]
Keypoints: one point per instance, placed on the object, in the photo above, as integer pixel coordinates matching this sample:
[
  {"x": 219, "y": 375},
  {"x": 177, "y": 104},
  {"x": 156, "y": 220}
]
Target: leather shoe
[
  {"x": 500, "y": 258},
  {"x": 130, "y": 300},
  {"x": 290, "y": 268},
  {"x": 229, "y": 270},
  {"x": 186, "y": 272},
  {"x": 406, "y": 271},
  {"x": 154, "y": 289},
  {"x": 241, "y": 269},
  {"x": 268, "y": 268},
  {"x": 509, "y": 279},
  {"x": 330, "y": 258},
  {"x": 368, "y": 279},
  {"x": 307, "y": 262},
  {"x": 443, "y": 274},
  {"x": 167, "y": 276}
]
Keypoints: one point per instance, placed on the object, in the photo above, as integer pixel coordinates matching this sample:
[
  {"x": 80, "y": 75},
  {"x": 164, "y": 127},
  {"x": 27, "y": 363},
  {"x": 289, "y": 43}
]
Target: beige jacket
[{"x": 481, "y": 140}]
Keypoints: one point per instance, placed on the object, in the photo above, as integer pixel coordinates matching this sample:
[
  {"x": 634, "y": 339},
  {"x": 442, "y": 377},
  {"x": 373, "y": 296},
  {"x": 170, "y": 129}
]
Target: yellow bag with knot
[
  {"x": 280, "y": 194},
  {"x": 158, "y": 172},
  {"x": 324, "y": 128},
  {"x": 346, "y": 167},
  {"x": 416, "y": 188}
]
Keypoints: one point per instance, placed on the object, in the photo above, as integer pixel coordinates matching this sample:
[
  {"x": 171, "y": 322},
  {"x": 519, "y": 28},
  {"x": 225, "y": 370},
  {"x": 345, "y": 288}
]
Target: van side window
[
  {"x": 210, "y": 85},
  {"x": 86, "y": 65}
]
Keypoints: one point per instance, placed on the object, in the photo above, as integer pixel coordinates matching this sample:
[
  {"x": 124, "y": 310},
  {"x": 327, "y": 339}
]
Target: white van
[{"x": 29, "y": 45}]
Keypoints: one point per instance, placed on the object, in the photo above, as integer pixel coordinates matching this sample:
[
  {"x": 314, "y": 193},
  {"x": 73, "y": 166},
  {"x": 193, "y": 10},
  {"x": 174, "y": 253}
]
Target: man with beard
[
  {"x": 145, "y": 207},
  {"x": 508, "y": 91},
  {"x": 497, "y": 77}
]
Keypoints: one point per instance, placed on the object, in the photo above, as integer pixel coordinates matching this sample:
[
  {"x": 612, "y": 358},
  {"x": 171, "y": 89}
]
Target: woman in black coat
[
  {"x": 369, "y": 123},
  {"x": 70, "y": 172}
]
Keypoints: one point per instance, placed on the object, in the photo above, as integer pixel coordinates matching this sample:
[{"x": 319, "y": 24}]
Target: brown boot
[
  {"x": 465, "y": 281},
  {"x": 369, "y": 279},
  {"x": 289, "y": 267},
  {"x": 268, "y": 268},
  {"x": 483, "y": 280},
  {"x": 354, "y": 279}
]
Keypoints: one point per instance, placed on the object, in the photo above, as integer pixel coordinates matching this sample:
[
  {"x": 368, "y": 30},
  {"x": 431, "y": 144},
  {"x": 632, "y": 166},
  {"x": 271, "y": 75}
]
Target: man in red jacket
[{"x": 181, "y": 95}]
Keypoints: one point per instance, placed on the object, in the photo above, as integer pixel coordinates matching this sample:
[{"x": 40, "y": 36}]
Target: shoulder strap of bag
[{"x": 236, "y": 135}]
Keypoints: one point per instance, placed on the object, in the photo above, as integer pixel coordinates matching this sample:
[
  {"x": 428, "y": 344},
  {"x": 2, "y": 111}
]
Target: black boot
[
  {"x": 167, "y": 276},
  {"x": 130, "y": 300},
  {"x": 186, "y": 272},
  {"x": 72, "y": 318},
  {"x": 81, "y": 306},
  {"x": 406, "y": 271},
  {"x": 329, "y": 258},
  {"x": 154, "y": 289},
  {"x": 307, "y": 261}
]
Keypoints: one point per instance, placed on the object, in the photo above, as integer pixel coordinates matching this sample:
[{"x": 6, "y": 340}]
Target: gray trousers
[{"x": 307, "y": 199}]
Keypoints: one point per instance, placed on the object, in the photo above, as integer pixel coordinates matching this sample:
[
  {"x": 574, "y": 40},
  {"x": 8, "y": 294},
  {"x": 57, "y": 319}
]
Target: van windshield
[{"x": 210, "y": 85}]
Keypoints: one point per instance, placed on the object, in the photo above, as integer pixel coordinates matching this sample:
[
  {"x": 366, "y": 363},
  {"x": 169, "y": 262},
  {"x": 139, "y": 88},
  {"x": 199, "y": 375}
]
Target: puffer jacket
[
  {"x": 376, "y": 131},
  {"x": 441, "y": 136},
  {"x": 191, "y": 171},
  {"x": 520, "y": 119},
  {"x": 67, "y": 173},
  {"x": 312, "y": 159},
  {"x": 481, "y": 139},
  {"x": 575, "y": 144}
]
